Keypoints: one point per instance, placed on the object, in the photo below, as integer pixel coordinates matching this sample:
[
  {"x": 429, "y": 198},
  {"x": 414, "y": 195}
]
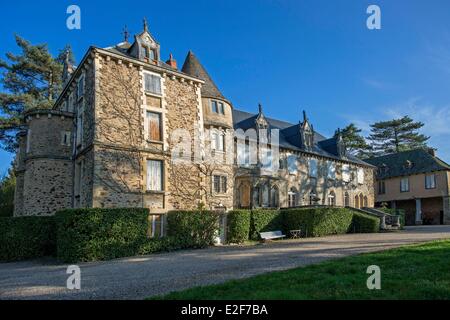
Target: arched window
[
  {"x": 357, "y": 201},
  {"x": 256, "y": 197},
  {"x": 312, "y": 198},
  {"x": 292, "y": 197},
  {"x": 265, "y": 195},
  {"x": 366, "y": 204},
  {"x": 332, "y": 199},
  {"x": 361, "y": 200},
  {"x": 274, "y": 197},
  {"x": 346, "y": 200}
]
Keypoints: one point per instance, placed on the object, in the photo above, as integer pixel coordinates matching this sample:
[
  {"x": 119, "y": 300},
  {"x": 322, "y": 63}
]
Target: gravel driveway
[{"x": 140, "y": 277}]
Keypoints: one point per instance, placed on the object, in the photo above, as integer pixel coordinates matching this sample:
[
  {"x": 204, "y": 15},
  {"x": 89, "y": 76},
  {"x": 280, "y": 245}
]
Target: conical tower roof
[{"x": 193, "y": 67}]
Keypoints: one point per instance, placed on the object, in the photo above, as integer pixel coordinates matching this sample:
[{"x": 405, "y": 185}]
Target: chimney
[
  {"x": 432, "y": 152},
  {"x": 172, "y": 62}
]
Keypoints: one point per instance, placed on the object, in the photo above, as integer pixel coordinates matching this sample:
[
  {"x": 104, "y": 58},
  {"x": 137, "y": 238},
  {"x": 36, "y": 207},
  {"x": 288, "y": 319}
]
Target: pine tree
[
  {"x": 31, "y": 79},
  {"x": 7, "y": 187},
  {"x": 354, "y": 142},
  {"x": 396, "y": 135}
]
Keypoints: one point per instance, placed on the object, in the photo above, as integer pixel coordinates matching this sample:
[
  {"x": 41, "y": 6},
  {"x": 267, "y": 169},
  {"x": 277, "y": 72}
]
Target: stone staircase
[{"x": 387, "y": 221}]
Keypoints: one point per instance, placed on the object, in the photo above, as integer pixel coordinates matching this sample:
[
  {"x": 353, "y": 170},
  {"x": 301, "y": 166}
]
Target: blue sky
[{"x": 289, "y": 55}]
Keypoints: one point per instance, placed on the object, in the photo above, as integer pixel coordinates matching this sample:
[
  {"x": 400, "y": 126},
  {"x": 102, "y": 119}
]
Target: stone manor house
[{"x": 110, "y": 139}]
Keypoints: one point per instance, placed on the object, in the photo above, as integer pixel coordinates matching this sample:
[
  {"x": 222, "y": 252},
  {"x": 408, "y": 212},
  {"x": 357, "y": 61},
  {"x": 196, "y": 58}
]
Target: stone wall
[{"x": 47, "y": 170}]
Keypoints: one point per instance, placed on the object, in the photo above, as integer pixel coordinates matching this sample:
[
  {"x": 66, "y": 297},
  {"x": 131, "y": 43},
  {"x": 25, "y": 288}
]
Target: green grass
[{"x": 410, "y": 272}]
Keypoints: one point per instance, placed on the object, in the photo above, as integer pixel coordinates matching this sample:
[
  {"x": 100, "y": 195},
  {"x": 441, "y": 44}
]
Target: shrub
[
  {"x": 192, "y": 229},
  {"x": 238, "y": 226},
  {"x": 26, "y": 237},
  {"x": 164, "y": 244},
  {"x": 316, "y": 222},
  {"x": 100, "y": 234},
  {"x": 363, "y": 223},
  {"x": 264, "y": 220}
]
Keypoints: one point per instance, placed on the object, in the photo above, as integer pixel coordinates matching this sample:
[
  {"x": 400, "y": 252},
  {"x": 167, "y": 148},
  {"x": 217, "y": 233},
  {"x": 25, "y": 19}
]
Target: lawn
[{"x": 410, "y": 272}]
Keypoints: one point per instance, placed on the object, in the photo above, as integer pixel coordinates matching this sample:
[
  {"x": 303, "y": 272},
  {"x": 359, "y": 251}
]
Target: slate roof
[
  {"x": 194, "y": 68},
  {"x": 289, "y": 135},
  {"x": 395, "y": 165}
]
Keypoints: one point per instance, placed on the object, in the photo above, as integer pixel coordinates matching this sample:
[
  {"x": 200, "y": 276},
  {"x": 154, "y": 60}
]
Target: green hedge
[
  {"x": 26, "y": 237},
  {"x": 265, "y": 220},
  {"x": 363, "y": 223},
  {"x": 192, "y": 229},
  {"x": 238, "y": 226},
  {"x": 100, "y": 234},
  {"x": 316, "y": 222}
]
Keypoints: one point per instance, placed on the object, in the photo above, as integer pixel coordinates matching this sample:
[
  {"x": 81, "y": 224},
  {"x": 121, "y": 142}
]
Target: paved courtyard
[{"x": 139, "y": 277}]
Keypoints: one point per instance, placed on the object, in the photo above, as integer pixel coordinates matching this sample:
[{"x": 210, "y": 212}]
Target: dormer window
[{"x": 148, "y": 54}]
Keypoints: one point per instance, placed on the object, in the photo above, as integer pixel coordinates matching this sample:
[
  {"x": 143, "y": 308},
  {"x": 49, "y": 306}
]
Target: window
[
  {"x": 360, "y": 175},
  {"x": 312, "y": 198},
  {"x": 79, "y": 128},
  {"x": 220, "y": 184},
  {"x": 214, "y": 106},
  {"x": 154, "y": 126},
  {"x": 70, "y": 107},
  {"x": 28, "y": 141},
  {"x": 292, "y": 198},
  {"x": 331, "y": 171},
  {"x": 332, "y": 199},
  {"x": 313, "y": 168},
  {"x": 346, "y": 200},
  {"x": 152, "y": 83},
  {"x": 430, "y": 181},
  {"x": 217, "y": 107},
  {"x": 156, "y": 226},
  {"x": 154, "y": 175},
  {"x": 381, "y": 187},
  {"x": 145, "y": 52},
  {"x": 346, "y": 173},
  {"x": 404, "y": 185},
  {"x": 65, "y": 138},
  {"x": 292, "y": 164},
  {"x": 266, "y": 161},
  {"x": 80, "y": 87},
  {"x": 217, "y": 141}
]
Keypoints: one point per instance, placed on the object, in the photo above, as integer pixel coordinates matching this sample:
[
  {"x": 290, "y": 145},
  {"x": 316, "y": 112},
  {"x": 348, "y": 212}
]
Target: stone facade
[{"x": 129, "y": 130}]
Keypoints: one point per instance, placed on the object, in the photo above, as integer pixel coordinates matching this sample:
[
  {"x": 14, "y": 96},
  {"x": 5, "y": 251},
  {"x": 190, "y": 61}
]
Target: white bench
[{"x": 271, "y": 235}]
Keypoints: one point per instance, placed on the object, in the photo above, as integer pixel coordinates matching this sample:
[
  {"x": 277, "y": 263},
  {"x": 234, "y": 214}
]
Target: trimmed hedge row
[
  {"x": 100, "y": 234},
  {"x": 314, "y": 222},
  {"x": 264, "y": 220},
  {"x": 238, "y": 226},
  {"x": 27, "y": 237},
  {"x": 192, "y": 229},
  {"x": 363, "y": 223}
]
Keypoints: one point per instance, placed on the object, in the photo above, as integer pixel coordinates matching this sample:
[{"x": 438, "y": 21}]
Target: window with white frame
[
  {"x": 217, "y": 141},
  {"x": 346, "y": 173},
  {"x": 430, "y": 181},
  {"x": 154, "y": 175},
  {"x": 152, "y": 83},
  {"x": 360, "y": 175},
  {"x": 220, "y": 184},
  {"x": 404, "y": 184},
  {"x": 313, "y": 168},
  {"x": 331, "y": 170}
]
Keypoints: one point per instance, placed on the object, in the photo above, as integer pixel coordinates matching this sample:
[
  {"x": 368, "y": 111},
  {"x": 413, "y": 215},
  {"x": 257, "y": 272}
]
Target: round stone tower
[{"x": 44, "y": 163}]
